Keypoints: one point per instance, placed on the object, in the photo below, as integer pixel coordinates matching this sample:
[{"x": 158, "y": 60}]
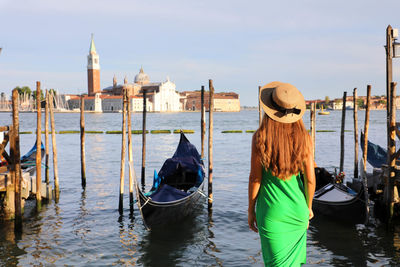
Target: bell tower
[{"x": 93, "y": 70}]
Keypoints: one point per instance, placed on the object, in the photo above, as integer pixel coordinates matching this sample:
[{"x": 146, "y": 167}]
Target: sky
[{"x": 323, "y": 47}]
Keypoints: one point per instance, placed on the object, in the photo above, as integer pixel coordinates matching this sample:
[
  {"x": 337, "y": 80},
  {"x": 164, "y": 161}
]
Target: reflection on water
[
  {"x": 40, "y": 237},
  {"x": 129, "y": 241},
  {"x": 9, "y": 250},
  {"x": 336, "y": 238},
  {"x": 359, "y": 245},
  {"x": 211, "y": 248},
  {"x": 174, "y": 244},
  {"x": 80, "y": 224}
]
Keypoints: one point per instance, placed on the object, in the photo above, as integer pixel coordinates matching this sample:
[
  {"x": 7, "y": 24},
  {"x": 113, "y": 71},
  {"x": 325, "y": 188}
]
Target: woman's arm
[
  {"x": 309, "y": 181},
  {"x": 254, "y": 186}
]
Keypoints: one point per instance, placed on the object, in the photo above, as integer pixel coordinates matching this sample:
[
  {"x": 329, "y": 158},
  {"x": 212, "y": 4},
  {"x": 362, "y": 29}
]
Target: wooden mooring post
[
  {"x": 38, "y": 147},
  {"x": 366, "y": 128},
  {"x": 54, "y": 147},
  {"x": 210, "y": 144},
  {"x": 390, "y": 190},
  {"x": 46, "y": 136},
  {"x": 355, "y": 117},
  {"x": 389, "y": 74},
  {"x": 10, "y": 183},
  {"x": 312, "y": 125},
  {"x": 83, "y": 159},
  {"x": 143, "y": 180},
  {"x": 16, "y": 162},
  {"x": 342, "y": 132},
  {"x": 203, "y": 122},
  {"x": 130, "y": 152},
  {"x": 123, "y": 148}
]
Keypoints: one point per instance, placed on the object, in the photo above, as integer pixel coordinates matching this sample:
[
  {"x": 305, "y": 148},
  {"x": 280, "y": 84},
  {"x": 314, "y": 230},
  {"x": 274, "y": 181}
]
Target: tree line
[{"x": 25, "y": 90}]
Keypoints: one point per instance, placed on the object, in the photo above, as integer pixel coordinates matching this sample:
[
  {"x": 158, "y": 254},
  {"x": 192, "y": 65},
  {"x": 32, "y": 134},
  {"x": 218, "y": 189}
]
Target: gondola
[
  {"x": 376, "y": 155},
  {"x": 339, "y": 202},
  {"x": 177, "y": 188},
  {"x": 28, "y": 161}
]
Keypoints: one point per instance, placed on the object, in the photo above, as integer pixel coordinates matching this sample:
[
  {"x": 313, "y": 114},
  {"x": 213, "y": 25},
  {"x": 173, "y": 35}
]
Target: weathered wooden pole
[
  {"x": 16, "y": 164},
  {"x": 83, "y": 159},
  {"x": 392, "y": 153},
  {"x": 38, "y": 148},
  {"x": 210, "y": 144},
  {"x": 46, "y": 135},
  {"x": 54, "y": 148},
  {"x": 355, "y": 116},
  {"x": 389, "y": 73},
  {"x": 203, "y": 122},
  {"x": 9, "y": 201},
  {"x": 260, "y": 110},
  {"x": 342, "y": 132},
  {"x": 312, "y": 126},
  {"x": 315, "y": 125},
  {"x": 366, "y": 127},
  {"x": 130, "y": 152},
  {"x": 144, "y": 140},
  {"x": 123, "y": 148}
]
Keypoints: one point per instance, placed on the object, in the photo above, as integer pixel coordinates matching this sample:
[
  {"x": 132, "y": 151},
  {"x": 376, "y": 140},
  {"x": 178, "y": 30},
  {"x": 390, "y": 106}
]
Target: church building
[
  {"x": 93, "y": 70},
  {"x": 160, "y": 96}
]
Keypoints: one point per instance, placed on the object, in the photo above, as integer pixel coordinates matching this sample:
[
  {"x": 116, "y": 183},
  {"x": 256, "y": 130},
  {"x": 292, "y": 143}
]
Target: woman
[{"x": 280, "y": 198}]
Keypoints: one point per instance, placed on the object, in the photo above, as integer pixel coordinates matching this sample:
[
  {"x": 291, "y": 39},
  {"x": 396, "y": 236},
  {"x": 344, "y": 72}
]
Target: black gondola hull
[
  {"x": 159, "y": 213},
  {"x": 353, "y": 210}
]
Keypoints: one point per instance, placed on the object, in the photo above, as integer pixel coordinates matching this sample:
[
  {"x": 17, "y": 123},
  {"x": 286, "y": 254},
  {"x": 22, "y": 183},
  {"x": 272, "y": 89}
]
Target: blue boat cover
[
  {"x": 168, "y": 193},
  {"x": 376, "y": 155},
  {"x": 31, "y": 155},
  {"x": 186, "y": 158}
]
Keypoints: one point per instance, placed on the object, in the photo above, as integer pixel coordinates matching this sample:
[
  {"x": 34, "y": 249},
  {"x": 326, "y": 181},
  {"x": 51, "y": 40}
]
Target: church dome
[{"x": 142, "y": 78}]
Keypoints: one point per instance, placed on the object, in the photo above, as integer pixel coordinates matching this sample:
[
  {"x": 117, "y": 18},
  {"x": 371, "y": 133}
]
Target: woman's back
[{"x": 282, "y": 218}]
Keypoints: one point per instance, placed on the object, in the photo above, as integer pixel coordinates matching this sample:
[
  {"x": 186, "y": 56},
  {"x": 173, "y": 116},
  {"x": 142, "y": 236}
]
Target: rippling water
[{"x": 84, "y": 228}]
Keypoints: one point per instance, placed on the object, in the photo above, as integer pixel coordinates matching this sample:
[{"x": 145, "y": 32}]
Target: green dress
[{"x": 282, "y": 217}]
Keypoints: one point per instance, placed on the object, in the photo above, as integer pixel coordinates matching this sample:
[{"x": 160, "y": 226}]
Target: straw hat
[{"x": 282, "y": 102}]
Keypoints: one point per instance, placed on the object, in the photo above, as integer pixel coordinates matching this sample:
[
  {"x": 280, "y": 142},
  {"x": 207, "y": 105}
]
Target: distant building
[
  {"x": 106, "y": 103},
  {"x": 229, "y": 102},
  {"x": 376, "y": 102},
  {"x": 161, "y": 96},
  {"x": 93, "y": 70}
]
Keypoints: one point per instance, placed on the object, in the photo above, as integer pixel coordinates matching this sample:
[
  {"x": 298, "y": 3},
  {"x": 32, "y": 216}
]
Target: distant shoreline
[{"x": 183, "y": 111}]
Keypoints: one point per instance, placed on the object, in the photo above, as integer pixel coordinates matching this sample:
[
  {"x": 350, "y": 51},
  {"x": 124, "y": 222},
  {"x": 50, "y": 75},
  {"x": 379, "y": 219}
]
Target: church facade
[{"x": 160, "y": 96}]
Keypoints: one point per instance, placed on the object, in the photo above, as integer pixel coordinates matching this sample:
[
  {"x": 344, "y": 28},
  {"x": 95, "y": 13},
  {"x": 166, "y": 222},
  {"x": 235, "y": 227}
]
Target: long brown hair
[{"x": 282, "y": 147}]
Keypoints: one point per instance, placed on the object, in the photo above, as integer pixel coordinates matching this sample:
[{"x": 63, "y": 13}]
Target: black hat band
[{"x": 285, "y": 111}]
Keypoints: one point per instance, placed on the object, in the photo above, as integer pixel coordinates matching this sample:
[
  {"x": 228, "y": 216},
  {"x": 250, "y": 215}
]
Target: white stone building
[
  {"x": 161, "y": 96},
  {"x": 107, "y": 103}
]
